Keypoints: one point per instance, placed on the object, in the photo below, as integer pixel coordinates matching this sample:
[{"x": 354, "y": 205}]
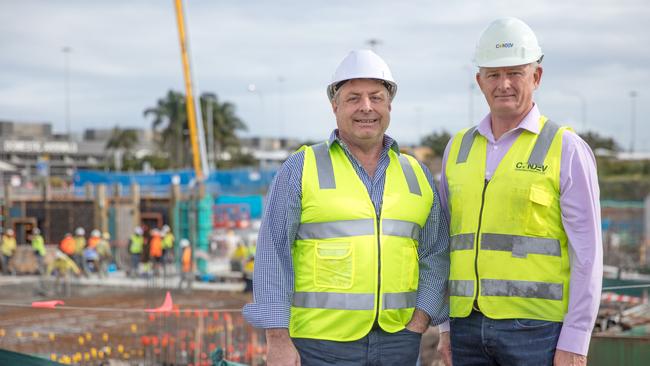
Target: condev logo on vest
[{"x": 530, "y": 167}]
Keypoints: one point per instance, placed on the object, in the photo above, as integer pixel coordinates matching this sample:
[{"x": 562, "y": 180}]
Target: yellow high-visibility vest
[
  {"x": 351, "y": 266},
  {"x": 508, "y": 246}
]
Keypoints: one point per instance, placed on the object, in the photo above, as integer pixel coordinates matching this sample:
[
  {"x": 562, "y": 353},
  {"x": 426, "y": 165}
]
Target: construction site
[{"x": 136, "y": 246}]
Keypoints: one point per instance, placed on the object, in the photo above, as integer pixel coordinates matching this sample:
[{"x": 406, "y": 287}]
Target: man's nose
[{"x": 366, "y": 105}]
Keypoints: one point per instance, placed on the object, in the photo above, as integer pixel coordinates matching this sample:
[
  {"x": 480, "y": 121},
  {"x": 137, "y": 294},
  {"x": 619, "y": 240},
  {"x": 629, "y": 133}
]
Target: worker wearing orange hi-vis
[
  {"x": 187, "y": 265},
  {"x": 67, "y": 244},
  {"x": 155, "y": 251}
]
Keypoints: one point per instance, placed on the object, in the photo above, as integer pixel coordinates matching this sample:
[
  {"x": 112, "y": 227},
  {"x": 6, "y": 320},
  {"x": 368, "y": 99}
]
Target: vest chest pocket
[
  {"x": 334, "y": 265},
  {"x": 540, "y": 200}
]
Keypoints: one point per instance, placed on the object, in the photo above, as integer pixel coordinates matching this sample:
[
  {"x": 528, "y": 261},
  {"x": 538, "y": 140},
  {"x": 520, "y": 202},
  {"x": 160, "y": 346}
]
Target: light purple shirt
[{"x": 580, "y": 205}]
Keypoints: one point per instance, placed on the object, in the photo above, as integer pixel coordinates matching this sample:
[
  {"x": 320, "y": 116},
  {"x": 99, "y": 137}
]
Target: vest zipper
[
  {"x": 478, "y": 235},
  {"x": 376, "y": 324}
]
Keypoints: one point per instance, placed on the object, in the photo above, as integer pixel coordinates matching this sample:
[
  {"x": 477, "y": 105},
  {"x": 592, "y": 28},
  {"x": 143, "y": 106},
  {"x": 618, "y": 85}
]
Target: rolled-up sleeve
[{"x": 273, "y": 279}]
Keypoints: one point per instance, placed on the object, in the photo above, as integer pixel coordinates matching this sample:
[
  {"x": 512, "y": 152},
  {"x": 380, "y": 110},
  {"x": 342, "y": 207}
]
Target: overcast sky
[{"x": 125, "y": 55}]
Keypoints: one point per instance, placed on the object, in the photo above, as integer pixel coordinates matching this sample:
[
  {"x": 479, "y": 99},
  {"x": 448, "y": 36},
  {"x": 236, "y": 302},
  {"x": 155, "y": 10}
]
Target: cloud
[{"x": 125, "y": 55}]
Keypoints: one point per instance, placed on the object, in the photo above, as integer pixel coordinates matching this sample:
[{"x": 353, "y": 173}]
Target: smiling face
[
  {"x": 362, "y": 109},
  {"x": 509, "y": 90}
]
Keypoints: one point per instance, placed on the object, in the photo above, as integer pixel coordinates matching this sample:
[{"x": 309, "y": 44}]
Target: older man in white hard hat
[
  {"x": 352, "y": 256},
  {"x": 522, "y": 195}
]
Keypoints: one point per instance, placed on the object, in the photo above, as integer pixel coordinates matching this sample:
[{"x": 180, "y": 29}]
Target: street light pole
[
  {"x": 633, "y": 95},
  {"x": 66, "y": 60}
]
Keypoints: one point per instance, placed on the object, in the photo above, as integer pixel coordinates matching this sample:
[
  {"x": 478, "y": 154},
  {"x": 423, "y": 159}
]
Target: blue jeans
[
  {"x": 479, "y": 340},
  {"x": 376, "y": 348}
]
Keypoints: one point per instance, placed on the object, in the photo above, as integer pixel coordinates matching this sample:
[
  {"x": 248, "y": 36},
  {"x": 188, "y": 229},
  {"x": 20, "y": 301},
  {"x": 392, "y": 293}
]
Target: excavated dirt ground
[{"x": 108, "y": 325}]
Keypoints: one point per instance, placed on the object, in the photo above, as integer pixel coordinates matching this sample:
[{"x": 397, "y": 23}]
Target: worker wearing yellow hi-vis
[
  {"x": 522, "y": 193},
  {"x": 351, "y": 263}
]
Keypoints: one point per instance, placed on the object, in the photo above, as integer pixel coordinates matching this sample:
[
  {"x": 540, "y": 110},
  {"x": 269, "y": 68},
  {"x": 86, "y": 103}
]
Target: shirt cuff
[
  {"x": 574, "y": 340},
  {"x": 444, "y": 327},
  {"x": 269, "y": 315}
]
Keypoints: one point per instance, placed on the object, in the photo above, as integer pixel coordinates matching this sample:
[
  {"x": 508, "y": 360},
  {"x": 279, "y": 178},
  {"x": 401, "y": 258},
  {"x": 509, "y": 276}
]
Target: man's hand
[
  {"x": 419, "y": 322},
  {"x": 444, "y": 348},
  {"x": 566, "y": 358},
  {"x": 280, "y": 351}
]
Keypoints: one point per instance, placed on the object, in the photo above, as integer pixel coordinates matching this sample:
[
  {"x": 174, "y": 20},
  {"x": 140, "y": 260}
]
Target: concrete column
[
  {"x": 89, "y": 191},
  {"x": 101, "y": 208},
  {"x": 7, "y": 206},
  {"x": 645, "y": 258},
  {"x": 135, "y": 203}
]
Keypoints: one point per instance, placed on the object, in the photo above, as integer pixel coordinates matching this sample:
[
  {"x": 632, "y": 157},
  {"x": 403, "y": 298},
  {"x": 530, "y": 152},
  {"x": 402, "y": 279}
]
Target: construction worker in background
[
  {"x": 239, "y": 255},
  {"x": 63, "y": 266},
  {"x": 136, "y": 244},
  {"x": 91, "y": 257},
  {"x": 523, "y": 199},
  {"x": 67, "y": 244},
  {"x": 249, "y": 267},
  {"x": 38, "y": 247},
  {"x": 155, "y": 251},
  {"x": 79, "y": 246},
  {"x": 352, "y": 259},
  {"x": 104, "y": 252},
  {"x": 167, "y": 246},
  {"x": 187, "y": 265},
  {"x": 8, "y": 249}
]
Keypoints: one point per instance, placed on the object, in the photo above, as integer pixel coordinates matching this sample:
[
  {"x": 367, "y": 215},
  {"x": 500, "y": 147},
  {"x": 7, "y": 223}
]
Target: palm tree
[
  {"x": 225, "y": 123},
  {"x": 122, "y": 142},
  {"x": 170, "y": 121}
]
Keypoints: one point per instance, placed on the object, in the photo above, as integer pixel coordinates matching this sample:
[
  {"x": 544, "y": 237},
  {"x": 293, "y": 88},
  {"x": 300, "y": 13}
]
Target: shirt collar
[
  {"x": 388, "y": 141},
  {"x": 529, "y": 123}
]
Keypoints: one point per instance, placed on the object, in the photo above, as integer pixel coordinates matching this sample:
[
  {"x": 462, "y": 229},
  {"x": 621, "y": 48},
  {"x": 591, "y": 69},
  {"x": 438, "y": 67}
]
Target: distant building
[{"x": 30, "y": 150}]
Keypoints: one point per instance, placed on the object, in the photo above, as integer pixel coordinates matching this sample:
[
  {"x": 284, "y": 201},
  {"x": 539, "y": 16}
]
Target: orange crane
[{"x": 197, "y": 137}]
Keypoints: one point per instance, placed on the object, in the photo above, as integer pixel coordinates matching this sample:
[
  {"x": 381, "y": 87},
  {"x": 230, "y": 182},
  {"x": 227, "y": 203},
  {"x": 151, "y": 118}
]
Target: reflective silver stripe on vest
[
  {"x": 334, "y": 300},
  {"x": 466, "y": 145},
  {"x": 463, "y": 288},
  {"x": 462, "y": 242},
  {"x": 543, "y": 144},
  {"x": 529, "y": 289},
  {"x": 324, "y": 166},
  {"x": 336, "y": 229},
  {"x": 400, "y": 228},
  {"x": 400, "y": 300},
  {"x": 411, "y": 179},
  {"x": 521, "y": 246}
]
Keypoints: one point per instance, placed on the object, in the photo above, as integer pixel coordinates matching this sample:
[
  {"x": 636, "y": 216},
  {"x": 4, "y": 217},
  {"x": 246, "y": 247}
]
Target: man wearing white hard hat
[
  {"x": 352, "y": 256},
  {"x": 523, "y": 200}
]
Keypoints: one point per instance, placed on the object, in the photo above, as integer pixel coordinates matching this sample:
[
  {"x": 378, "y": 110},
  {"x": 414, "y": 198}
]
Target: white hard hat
[
  {"x": 362, "y": 64},
  {"x": 166, "y": 228},
  {"x": 96, "y": 233},
  {"x": 184, "y": 243},
  {"x": 138, "y": 230},
  {"x": 154, "y": 232},
  {"x": 507, "y": 42},
  {"x": 10, "y": 232},
  {"x": 79, "y": 231},
  {"x": 36, "y": 231}
]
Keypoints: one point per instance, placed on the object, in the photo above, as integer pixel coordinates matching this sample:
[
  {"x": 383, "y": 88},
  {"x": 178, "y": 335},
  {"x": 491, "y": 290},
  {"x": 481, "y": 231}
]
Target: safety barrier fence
[{"x": 168, "y": 335}]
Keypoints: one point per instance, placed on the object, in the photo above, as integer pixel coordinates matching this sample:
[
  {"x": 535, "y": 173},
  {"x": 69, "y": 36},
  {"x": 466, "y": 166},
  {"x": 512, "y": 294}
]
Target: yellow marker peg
[
  {"x": 51, "y": 336},
  {"x": 134, "y": 328},
  {"x": 105, "y": 337},
  {"x": 120, "y": 348},
  {"x": 81, "y": 340}
]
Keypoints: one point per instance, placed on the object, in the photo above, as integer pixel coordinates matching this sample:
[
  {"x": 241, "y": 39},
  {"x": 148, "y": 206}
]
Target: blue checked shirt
[{"x": 273, "y": 278}]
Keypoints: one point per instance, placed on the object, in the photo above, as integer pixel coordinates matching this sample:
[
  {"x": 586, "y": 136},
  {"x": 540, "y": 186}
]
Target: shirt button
[{"x": 495, "y": 147}]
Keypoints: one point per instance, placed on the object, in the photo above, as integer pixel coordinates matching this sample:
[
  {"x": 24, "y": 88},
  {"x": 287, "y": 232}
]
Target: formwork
[{"x": 619, "y": 351}]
